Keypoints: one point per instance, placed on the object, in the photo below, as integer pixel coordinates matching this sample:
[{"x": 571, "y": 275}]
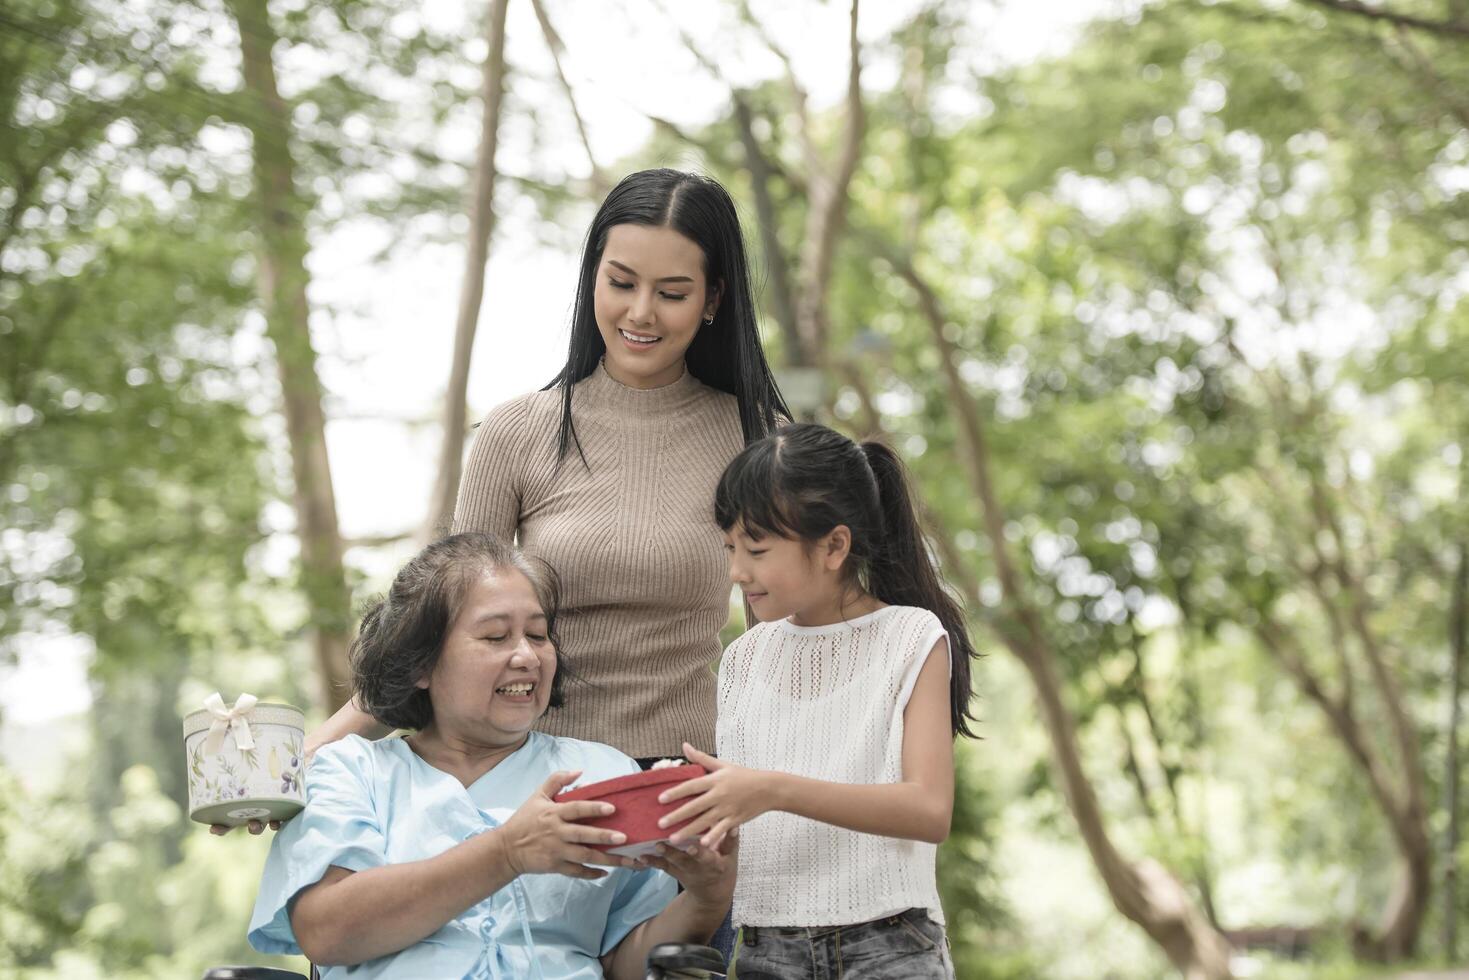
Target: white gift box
[{"x": 244, "y": 761}]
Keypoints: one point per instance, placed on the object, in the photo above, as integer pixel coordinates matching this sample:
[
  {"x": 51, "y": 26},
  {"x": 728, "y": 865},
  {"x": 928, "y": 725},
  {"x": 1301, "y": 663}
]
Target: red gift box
[{"x": 638, "y": 810}]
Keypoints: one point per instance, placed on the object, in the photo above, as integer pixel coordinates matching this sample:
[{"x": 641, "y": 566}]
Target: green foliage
[
  {"x": 80, "y": 903},
  {"x": 42, "y": 873},
  {"x": 980, "y": 926}
]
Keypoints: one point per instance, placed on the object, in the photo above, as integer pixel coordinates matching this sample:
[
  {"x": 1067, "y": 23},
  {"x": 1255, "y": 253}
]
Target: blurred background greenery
[{"x": 1164, "y": 303}]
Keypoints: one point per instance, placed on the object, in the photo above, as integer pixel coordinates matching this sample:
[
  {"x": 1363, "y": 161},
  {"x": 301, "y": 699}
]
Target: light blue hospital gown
[{"x": 371, "y": 804}]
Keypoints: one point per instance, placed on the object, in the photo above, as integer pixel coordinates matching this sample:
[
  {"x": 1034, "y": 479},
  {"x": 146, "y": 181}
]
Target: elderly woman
[{"x": 445, "y": 854}]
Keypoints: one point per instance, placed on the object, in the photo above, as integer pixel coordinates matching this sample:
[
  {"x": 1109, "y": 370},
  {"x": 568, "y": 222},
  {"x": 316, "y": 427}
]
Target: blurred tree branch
[
  {"x": 600, "y": 183},
  {"x": 1455, "y": 29},
  {"x": 827, "y": 206},
  {"x": 761, "y": 171},
  {"x": 800, "y": 309},
  {"x": 1424, "y": 67},
  {"x": 1347, "y": 608}
]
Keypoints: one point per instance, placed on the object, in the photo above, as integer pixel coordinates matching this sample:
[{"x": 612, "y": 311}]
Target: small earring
[{"x": 709, "y": 319}]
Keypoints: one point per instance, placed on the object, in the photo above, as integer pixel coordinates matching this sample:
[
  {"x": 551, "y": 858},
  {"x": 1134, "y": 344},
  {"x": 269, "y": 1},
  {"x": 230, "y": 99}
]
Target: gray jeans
[{"x": 906, "y": 946}]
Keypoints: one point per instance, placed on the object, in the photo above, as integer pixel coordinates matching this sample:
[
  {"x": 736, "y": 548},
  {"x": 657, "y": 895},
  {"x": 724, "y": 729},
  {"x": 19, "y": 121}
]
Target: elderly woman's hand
[
  {"x": 256, "y": 827},
  {"x": 542, "y": 837},
  {"x": 706, "y": 873}
]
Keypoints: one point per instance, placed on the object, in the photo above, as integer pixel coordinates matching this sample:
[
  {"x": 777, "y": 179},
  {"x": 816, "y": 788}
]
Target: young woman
[
  {"x": 608, "y": 473},
  {"x": 837, "y": 715}
]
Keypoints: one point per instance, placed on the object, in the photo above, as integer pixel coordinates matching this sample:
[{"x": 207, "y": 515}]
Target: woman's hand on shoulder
[
  {"x": 722, "y": 800},
  {"x": 543, "y": 837}
]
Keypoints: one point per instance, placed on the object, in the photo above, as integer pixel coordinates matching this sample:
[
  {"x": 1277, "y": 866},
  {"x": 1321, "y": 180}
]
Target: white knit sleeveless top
[{"x": 825, "y": 702}]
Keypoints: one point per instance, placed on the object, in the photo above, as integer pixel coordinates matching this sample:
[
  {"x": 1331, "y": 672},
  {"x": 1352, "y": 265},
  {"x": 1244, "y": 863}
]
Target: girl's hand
[
  {"x": 706, "y": 873},
  {"x": 725, "y": 798},
  {"x": 542, "y": 836}
]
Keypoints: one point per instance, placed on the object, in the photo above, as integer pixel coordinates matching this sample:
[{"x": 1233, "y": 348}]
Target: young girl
[{"x": 837, "y": 715}]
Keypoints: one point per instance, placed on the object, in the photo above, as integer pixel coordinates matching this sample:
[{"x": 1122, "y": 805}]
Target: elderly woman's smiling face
[{"x": 493, "y": 678}]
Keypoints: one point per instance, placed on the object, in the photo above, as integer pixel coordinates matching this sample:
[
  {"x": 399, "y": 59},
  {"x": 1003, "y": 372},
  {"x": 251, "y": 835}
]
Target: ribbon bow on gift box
[{"x": 236, "y": 720}]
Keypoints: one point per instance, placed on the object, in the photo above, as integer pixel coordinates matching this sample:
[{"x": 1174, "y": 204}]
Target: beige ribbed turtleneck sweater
[{"x": 645, "y": 588}]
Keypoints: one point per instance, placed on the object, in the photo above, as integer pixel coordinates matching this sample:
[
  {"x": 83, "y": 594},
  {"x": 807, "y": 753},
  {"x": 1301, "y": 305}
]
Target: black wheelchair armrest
[
  {"x": 250, "y": 973},
  {"x": 685, "y": 960}
]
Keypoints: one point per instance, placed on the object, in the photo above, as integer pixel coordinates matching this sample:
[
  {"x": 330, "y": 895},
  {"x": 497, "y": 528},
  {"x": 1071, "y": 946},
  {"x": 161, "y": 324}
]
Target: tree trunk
[
  {"x": 471, "y": 293},
  {"x": 1144, "y": 891},
  {"x": 1402, "y": 918},
  {"x": 1407, "y": 814},
  {"x": 283, "y": 281},
  {"x": 1458, "y": 627}
]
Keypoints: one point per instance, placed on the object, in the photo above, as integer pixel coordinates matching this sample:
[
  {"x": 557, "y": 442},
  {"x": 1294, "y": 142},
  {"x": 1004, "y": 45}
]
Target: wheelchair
[{"x": 666, "y": 961}]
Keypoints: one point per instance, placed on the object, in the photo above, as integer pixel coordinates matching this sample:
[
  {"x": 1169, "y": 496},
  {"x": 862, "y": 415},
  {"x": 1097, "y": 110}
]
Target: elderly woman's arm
[
  {"x": 708, "y": 877},
  {"x": 349, "y": 917}
]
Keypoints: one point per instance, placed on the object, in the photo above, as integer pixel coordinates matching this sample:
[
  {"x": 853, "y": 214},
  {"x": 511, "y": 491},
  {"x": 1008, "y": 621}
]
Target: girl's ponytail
[{"x": 901, "y": 572}]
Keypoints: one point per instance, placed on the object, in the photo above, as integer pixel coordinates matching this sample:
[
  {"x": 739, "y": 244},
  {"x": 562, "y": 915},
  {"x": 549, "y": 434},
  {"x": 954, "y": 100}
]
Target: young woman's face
[
  {"x": 493, "y": 678},
  {"x": 650, "y": 299}
]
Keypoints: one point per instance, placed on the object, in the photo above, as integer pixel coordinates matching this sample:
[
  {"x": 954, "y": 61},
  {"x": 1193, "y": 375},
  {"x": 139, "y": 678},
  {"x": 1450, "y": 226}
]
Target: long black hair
[
  {"x": 725, "y": 354},
  {"x": 803, "y": 480},
  {"x": 402, "y": 633}
]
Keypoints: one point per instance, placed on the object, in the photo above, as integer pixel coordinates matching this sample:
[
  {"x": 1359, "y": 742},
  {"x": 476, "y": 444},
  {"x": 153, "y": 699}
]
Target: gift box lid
[
  {"x": 632, "y": 781},
  {"x": 264, "y": 713}
]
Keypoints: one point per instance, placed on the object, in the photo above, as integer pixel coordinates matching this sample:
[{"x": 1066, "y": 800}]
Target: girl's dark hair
[
  {"x": 725, "y": 354},
  {"x": 402, "y": 634},
  {"x": 803, "y": 480}
]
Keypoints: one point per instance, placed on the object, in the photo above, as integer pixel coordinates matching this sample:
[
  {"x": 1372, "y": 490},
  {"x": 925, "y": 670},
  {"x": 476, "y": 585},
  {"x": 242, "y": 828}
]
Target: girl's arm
[
  {"x": 350, "y": 917},
  {"x": 918, "y": 808}
]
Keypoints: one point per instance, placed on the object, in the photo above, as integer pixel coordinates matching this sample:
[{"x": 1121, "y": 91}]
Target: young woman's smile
[{"x": 650, "y": 299}]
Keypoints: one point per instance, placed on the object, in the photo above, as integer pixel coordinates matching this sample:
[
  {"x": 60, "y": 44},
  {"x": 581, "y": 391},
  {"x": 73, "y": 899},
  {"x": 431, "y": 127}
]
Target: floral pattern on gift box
[
  {"x": 271, "y": 769},
  {"x": 217, "y": 783},
  {"x": 287, "y": 767}
]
